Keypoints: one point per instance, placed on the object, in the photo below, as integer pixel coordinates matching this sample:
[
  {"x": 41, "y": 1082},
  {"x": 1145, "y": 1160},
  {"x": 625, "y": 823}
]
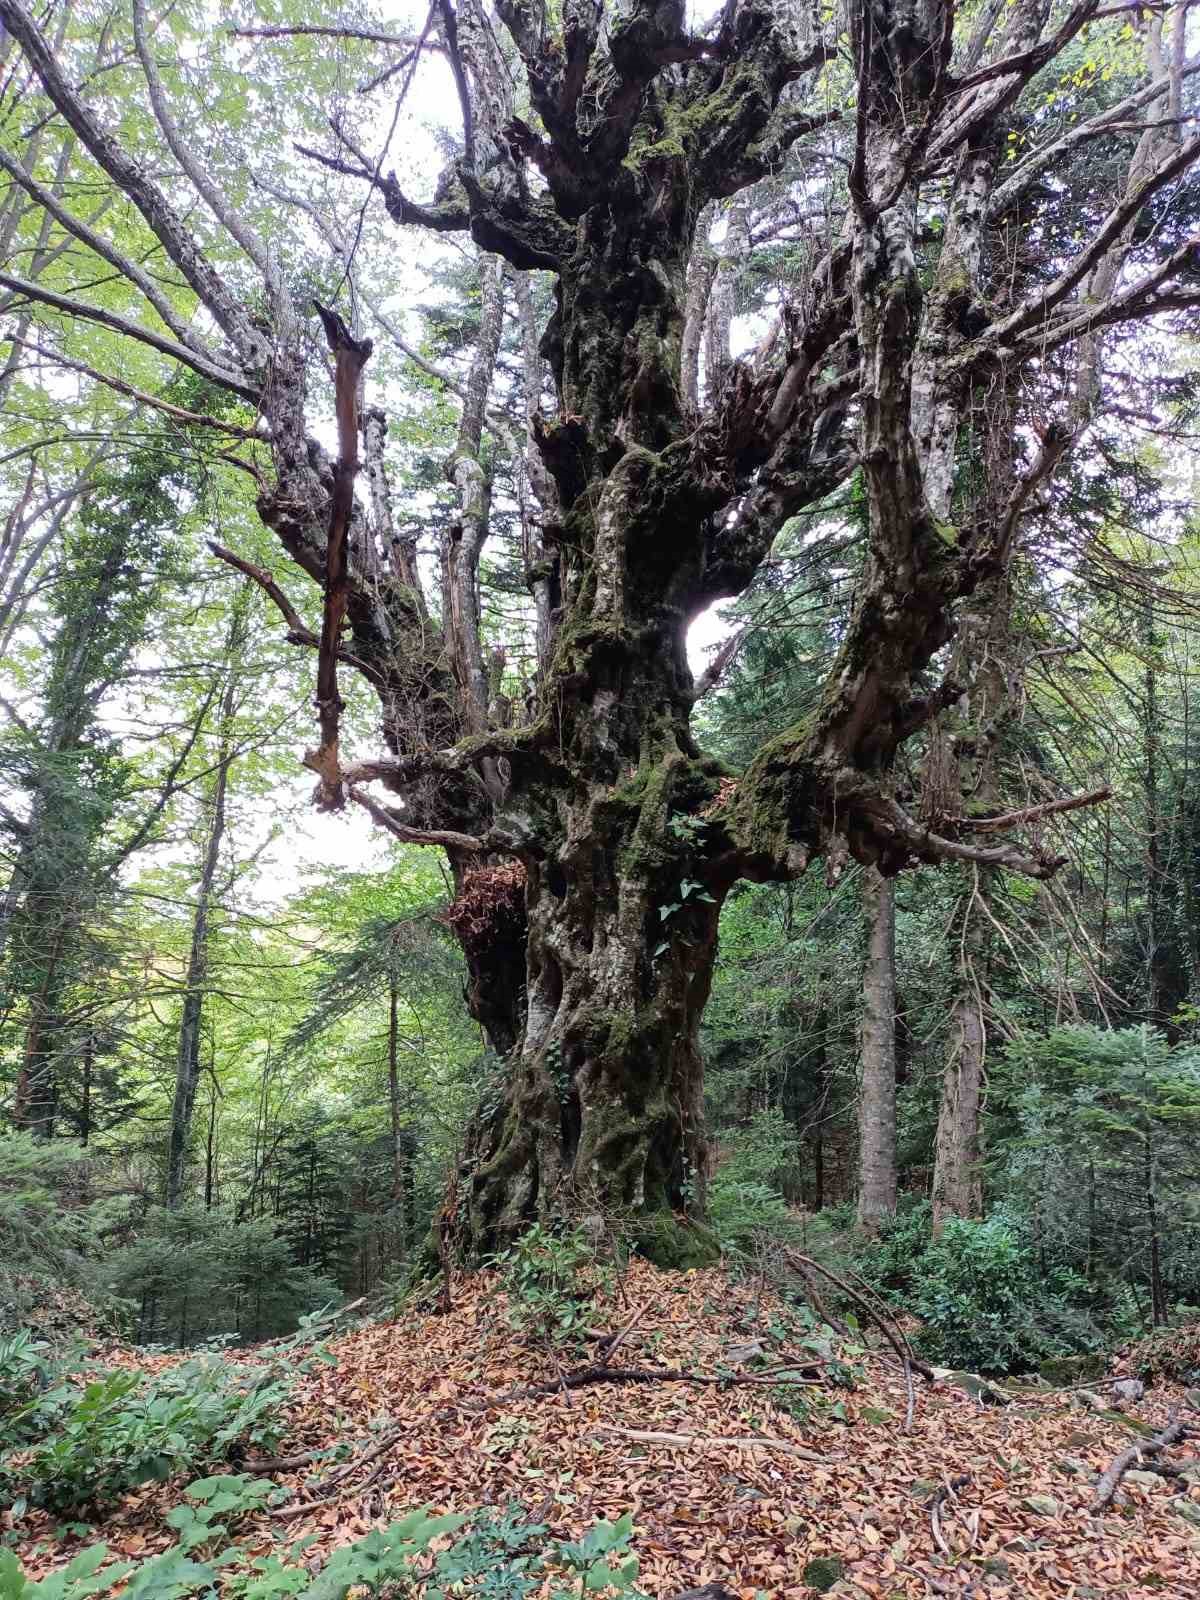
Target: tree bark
[
  {"x": 877, "y": 1098},
  {"x": 957, "y": 1177},
  {"x": 972, "y": 778}
]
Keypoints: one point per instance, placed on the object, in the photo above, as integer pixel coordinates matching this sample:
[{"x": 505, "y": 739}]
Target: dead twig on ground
[
  {"x": 609, "y": 1346},
  {"x": 895, "y": 1336},
  {"x": 1174, "y": 1431},
  {"x": 303, "y": 1458},
  {"x": 586, "y": 1376},
  {"x": 948, "y": 1491},
  {"x": 336, "y": 1483},
  {"x": 686, "y": 1441}
]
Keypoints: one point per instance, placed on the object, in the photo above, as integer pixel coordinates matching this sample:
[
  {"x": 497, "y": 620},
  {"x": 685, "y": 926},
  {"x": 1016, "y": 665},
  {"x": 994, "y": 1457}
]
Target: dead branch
[
  {"x": 585, "y": 1376},
  {"x": 947, "y": 1492},
  {"x": 1174, "y": 1431},
  {"x": 366, "y": 35},
  {"x": 687, "y": 1441},
  {"x": 386, "y": 818},
  {"x": 1013, "y": 819},
  {"x": 298, "y": 632},
  {"x": 350, "y": 357},
  {"x": 894, "y": 1336},
  {"x": 612, "y": 1343},
  {"x": 336, "y": 1483}
]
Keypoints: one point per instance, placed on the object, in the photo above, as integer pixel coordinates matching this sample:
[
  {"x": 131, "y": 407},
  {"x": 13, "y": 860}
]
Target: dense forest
[{"x": 599, "y": 661}]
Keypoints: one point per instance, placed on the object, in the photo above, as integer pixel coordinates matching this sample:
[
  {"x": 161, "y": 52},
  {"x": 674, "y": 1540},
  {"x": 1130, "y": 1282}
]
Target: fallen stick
[
  {"x": 948, "y": 1491},
  {"x": 684, "y": 1441},
  {"x": 285, "y": 1463},
  {"x": 602, "y": 1374},
  {"x": 610, "y": 1345},
  {"x": 1174, "y": 1431},
  {"x": 894, "y": 1336},
  {"x": 337, "y": 1481},
  {"x": 898, "y": 1339}
]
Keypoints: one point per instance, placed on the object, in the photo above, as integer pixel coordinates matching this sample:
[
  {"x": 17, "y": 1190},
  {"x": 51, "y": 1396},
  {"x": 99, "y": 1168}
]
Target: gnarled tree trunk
[{"x": 591, "y": 842}]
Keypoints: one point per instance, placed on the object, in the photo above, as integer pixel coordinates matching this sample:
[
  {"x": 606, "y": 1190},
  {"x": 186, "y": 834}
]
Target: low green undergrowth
[
  {"x": 86, "y": 1440},
  {"x": 491, "y": 1555},
  {"x": 75, "y": 1437},
  {"x": 984, "y": 1300}
]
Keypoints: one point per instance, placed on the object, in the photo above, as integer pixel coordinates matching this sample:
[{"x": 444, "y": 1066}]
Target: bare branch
[
  {"x": 1013, "y": 819},
  {"x": 447, "y": 838},
  {"x": 213, "y": 198},
  {"x": 72, "y": 307},
  {"x": 101, "y": 247},
  {"x": 367, "y": 35},
  {"x": 177, "y": 413},
  {"x": 132, "y": 179}
]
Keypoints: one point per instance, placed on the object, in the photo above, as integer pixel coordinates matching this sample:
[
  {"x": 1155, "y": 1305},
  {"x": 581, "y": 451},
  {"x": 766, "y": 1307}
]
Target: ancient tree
[{"x": 591, "y": 839}]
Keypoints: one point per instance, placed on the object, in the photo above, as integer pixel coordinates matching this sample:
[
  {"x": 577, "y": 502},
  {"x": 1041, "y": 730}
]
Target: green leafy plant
[
  {"x": 209, "y": 1499},
  {"x": 985, "y": 1301},
  {"x": 117, "y": 1430},
  {"x": 552, "y": 1279},
  {"x": 500, "y": 1556}
]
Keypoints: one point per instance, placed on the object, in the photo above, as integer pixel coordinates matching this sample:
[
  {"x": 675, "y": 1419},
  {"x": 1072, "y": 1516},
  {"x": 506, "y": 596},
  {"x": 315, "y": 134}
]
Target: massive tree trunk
[
  {"x": 591, "y": 841},
  {"x": 877, "y": 1096},
  {"x": 605, "y": 1100}
]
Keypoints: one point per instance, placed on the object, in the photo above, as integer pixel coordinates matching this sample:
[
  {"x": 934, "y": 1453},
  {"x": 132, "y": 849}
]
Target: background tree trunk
[
  {"x": 187, "y": 1058},
  {"x": 877, "y": 1101}
]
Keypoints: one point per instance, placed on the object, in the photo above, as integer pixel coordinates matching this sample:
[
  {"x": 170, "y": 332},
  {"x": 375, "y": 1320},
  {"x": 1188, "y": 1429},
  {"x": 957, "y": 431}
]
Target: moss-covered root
[{"x": 675, "y": 1243}]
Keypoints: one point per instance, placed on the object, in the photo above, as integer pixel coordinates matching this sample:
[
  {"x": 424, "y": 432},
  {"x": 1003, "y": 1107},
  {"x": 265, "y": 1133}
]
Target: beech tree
[{"x": 590, "y": 837}]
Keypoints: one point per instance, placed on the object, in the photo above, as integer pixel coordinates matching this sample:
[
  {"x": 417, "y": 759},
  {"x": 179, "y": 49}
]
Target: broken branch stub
[{"x": 350, "y": 356}]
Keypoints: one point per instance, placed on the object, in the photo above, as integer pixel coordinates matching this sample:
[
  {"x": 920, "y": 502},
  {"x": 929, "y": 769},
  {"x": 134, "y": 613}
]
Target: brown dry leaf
[{"x": 749, "y": 1518}]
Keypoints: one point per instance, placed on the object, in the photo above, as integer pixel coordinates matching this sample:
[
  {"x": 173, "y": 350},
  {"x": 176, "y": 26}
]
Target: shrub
[
  {"x": 974, "y": 1295},
  {"x": 745, "y": 1205},
  {"x": 552, "y": 1279},
  {"x": 982, "y": 1298},
  {"x": 28, "y": 1369}
]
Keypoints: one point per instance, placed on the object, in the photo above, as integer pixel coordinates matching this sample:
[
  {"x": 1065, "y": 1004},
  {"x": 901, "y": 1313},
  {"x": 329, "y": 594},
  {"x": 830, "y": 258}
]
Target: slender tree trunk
[
  {"x": 403, "y": 1142},
  {"x": 85, "y": 1111},
  {"x": 210, "y": 1149},
  {"x": 877, "y": 1103},
  {"x": 1158, "y": 979},
  {"x": 957, "y": 1178},
  {"x": 187, "y": 1058},
  {"x": 394, "y": 1087},
  {"x": 1158, "y": 1293}
]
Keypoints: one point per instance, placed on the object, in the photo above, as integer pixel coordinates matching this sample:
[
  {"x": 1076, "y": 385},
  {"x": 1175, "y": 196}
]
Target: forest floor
[{"x": 724, "y": 1482}]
